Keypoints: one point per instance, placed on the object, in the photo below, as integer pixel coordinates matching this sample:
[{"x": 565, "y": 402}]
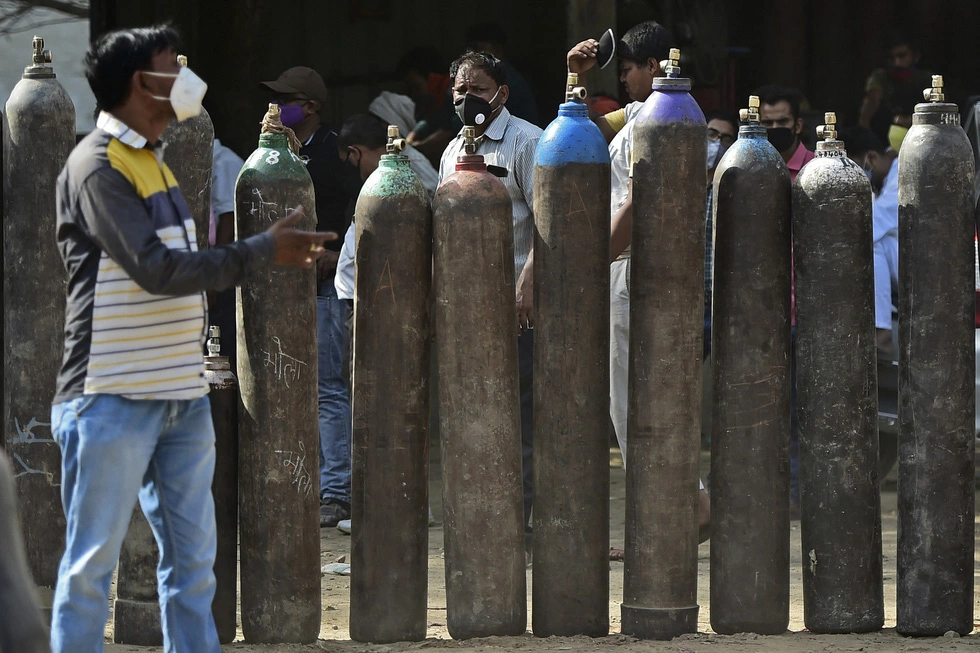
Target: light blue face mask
[
  {"x": 869, "y": 172},
  {"x": 715, "y": 151}
]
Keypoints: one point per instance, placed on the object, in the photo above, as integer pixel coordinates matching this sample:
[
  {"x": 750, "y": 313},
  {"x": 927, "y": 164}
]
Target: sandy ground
[{"x": 336, "y": 603}]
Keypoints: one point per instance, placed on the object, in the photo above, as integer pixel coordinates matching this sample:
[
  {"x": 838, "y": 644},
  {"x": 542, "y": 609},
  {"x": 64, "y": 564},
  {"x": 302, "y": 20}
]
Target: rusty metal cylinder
[
  {"x": 278, "y": 463},
  {"x": 390, "y": 472},
  {"x": 666, "y": 334},
  {"x": 223, "y": 396},
  {"x": 936, "y": 374},
  {"x": 23, "y": 627},
  {"x": 570, "y": 584},
  {"x": 751, "y": 385},
  {"x": 838, "y": 397},
  {"x": 479, "y": 403},
  {"x": 189, "y": 155},
  {"x": 38, "y": 136},
  {"x": 136, "y": 609}
]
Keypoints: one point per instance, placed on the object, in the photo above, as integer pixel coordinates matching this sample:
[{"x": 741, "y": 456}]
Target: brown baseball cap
[{"x": 302, "y": 80}]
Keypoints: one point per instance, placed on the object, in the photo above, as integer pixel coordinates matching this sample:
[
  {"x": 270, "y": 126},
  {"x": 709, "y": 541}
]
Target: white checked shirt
[{"x": 509, "y": 142}]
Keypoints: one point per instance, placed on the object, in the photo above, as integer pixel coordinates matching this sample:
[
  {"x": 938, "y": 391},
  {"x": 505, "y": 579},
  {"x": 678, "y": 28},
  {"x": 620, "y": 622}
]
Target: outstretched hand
[
  {"x": 583, "y": 56},
  {"x": 298, "y": 248}
]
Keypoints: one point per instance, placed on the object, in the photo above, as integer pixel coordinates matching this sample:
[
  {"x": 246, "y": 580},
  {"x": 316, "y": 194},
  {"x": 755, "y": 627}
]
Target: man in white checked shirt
[{"x": 480, "y": 93}]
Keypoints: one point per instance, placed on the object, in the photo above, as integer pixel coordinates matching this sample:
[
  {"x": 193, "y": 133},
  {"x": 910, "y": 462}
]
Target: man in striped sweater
[{"x": 131, "y": 412}]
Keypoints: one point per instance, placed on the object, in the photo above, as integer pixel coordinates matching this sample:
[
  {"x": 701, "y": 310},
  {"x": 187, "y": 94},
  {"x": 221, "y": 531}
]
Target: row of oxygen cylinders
[
  {"x": 461, "y": 252},
  {"x": 763, "y": 222}
]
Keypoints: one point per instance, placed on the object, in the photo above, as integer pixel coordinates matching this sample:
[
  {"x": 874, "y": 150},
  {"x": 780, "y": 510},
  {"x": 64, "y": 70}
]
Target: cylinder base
[
  {"x": 659, "y": 623},
  {"x": 137, "y": 623}
]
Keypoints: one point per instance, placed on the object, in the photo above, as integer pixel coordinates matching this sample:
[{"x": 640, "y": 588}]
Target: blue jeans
[
  {"x": 113, "y": 451},
  {"x": 334, "y": 397}
]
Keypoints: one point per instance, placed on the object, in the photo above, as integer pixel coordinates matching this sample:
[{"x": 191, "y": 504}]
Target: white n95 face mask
[{"x": 186, "y": 94}]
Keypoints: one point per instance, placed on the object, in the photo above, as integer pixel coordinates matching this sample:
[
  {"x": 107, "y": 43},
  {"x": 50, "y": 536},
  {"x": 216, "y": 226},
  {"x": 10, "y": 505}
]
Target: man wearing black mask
[
  {"x": 779, "y": 113},
  {"x": 301, "y": 93}
]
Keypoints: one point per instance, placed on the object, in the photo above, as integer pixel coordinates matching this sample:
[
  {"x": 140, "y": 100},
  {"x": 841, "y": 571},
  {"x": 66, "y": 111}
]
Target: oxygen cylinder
[
  {"x": 390, "y": 471},
  {"x": 38, "y": 136},
  {"x": 136, "y": 609},
  {"x": 837, "y": 386},
  {"x": 936, "y": 372},
  {"x": 750, "y": 417},
  {"x": 278, "y": 464},
  {"x": 666, "y": 333},
  {"x": 479, "y": 401},
  {"x": 224, "y": 488},
  {"x": 570, "y": 584},
  {"x": 189, "y": 155}
]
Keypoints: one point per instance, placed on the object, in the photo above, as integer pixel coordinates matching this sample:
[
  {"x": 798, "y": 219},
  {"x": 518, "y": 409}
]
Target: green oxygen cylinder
[{"x": 278, "y": 434}]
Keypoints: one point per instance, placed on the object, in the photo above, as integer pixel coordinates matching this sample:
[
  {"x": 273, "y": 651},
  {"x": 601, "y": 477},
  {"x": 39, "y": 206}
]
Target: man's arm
[
  {"x": 524, "y": 174},
  {"x": 579, "y": 59},
  {"x": 117, "y": 220},
  {"x": 621, "y": 230}
]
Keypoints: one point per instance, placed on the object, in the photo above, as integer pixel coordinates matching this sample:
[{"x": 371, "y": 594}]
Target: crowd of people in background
[{"x": 434, "y": 101}]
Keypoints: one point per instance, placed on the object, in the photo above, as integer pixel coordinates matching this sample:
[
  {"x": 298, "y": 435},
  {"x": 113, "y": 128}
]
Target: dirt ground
[{"x": 336, "y": 603}]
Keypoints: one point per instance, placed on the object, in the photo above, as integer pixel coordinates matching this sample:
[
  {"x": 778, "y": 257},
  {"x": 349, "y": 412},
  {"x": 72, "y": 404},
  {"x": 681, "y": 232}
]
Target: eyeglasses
[{"x": 715, "y": 135}]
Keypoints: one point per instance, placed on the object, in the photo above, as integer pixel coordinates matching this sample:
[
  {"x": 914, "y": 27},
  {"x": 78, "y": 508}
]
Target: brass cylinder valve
[
  {"x": 750, "y": 115},
  {"x": 41, "y": 56},
  {"x": 828, "y": 131},
  {"x": 574, "y": 92},
  {"x": 935, "y": 93},
  {"x": 672, "y": 64},
  {"x": 214, "y": 344},
  {"x": 469, "y": 139},
  {"x": 395, "y": 144}
]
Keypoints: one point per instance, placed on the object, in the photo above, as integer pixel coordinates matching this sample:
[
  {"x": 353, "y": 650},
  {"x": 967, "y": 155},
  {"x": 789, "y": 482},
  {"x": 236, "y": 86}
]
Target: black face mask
[
  {"x": 351, "y": 179},
  {"x": 474, "y": 110},
  {"x": 782, "y": 138}
]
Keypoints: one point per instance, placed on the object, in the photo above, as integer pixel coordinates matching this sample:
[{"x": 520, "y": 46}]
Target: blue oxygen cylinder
[{"x": 570, "y": 585}]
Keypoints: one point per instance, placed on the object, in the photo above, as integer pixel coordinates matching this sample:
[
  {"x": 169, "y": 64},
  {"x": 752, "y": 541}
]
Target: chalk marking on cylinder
[
  {"x": 386, "y": 270},
  {"x": 284, "y": 366},
  {"x": 29, "y": 470},
  {"x": 583, "y": 209}
]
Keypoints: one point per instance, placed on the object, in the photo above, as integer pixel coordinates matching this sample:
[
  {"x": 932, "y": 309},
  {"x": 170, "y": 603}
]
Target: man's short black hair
[
  {"x": 774, "y": 93},
  {"x": 363, "y": 129},
  {"x": 647, "y": 40},
  {"x": 895, "y": 38},
  {"x": 858, "y": 141},
  {"x": 481, "y": 61},
  {"x": 486, "y": 32},
  {"x": 423, "y": 60},
  {"x": 115, "y": 56},
  {"x": 721, "y": 114}
]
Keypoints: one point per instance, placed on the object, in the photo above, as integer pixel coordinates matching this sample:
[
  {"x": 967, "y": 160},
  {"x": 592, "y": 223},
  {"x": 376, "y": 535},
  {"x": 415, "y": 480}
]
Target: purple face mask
[{"x": 290, "y": 115}]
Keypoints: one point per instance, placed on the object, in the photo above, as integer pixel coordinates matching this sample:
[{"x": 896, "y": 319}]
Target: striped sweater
[{"x": 136, "y": 313}]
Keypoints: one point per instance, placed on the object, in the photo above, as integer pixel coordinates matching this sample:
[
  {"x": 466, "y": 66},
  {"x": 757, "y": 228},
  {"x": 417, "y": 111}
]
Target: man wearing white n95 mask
[{"x": 130, "y": 411}]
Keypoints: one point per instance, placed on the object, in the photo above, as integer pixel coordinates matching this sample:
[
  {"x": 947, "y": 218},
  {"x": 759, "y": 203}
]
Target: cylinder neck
[
  {"x": 936, "y": 113},
  {"x": 573, "y": 110},
  {"x": 471, "y": 163},
  {"x": 393, "y": 161},
  {"x": 273, "y": 141},
  {"x": 752, "y": 130}
]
